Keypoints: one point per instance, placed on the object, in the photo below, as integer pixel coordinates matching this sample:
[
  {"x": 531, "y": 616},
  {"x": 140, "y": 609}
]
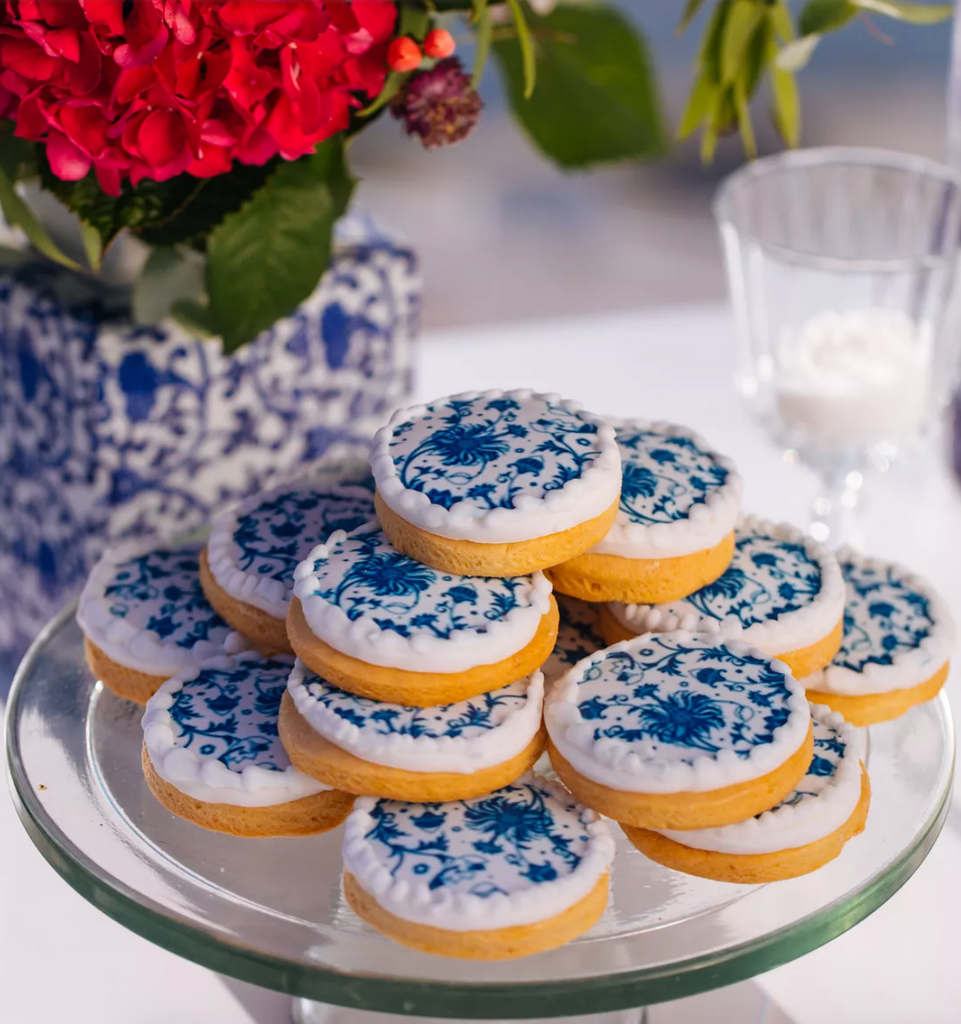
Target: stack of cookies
[{"x": 516, "y": 574}]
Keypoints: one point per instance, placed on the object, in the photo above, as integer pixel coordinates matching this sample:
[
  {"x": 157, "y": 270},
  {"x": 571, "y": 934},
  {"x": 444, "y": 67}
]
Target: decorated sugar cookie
[
  {"x": 375, "y": 622},
  {"x": 679, "y": 731},
  {"x": 577, "y": 636},
  {"x": 782, "y": 593},
  {"x": 898, "y": 637},
  {"x": 502, "y": 875},
  {"x": 144, "y": 617},
  {"x": 674, "y": 531},
  {"x": 802, "y": 833},
  {"x": 495, "y": 483},
  {"x": 212, "y": 755},
  {"x": 247, "y": 570},
  {"x": 412, "y": 753}
]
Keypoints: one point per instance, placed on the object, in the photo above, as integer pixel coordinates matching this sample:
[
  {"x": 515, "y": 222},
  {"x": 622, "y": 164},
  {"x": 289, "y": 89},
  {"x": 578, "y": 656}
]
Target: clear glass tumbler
[{"x": 842, "y": 266}]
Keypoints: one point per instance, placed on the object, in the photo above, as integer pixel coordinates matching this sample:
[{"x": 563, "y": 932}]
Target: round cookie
[
  {"x": 804, "y": 832},
  {"x": 144, "y": 617},
  {"x": 898, "y": 638},
  {"x": 782, "y": 593},
  {"x": 508, "y": 874},
  {"x": 495, "y": 483},
  {"x": 211, "y": 753},
  {"x": 674, "y": 531},
  {"x": 451, "y": 752},
  {"x": 247, "y": 569},
  {"x": 372, "y": 621},
  {"x": 679, "y": 731},
  {"x": 577, "y": 637}
]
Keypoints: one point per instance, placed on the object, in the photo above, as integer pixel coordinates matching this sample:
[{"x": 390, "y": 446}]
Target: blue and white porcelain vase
[{"x": 110, "y": 431}]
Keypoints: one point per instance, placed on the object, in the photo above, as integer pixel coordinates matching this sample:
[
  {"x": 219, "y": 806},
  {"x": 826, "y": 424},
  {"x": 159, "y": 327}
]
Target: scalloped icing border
[
  {"x": 578, "y": 501},
  {"x": 463, "y": 911},
  {"x": 792, "y": 631},
  {"x": 265, "y": 593},
  {"x": 787, "y": 827},
  {"x": 908, "y": 668},
  {"x": 207, "y": 778},
  {"x": 705, "y": 526},
  {"x": 455, "y": 754},
  {"x": 594, "y": 759},
  {"x": 363, "y": 639},
  {"x": 128, "y": 645}
]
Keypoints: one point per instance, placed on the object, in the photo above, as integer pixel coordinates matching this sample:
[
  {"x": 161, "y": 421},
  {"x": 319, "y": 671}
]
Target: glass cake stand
[{"x": 271, "y": 911}]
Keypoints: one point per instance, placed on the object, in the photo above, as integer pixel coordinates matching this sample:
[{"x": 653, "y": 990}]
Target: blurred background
[{"x": 503, "y": 235}]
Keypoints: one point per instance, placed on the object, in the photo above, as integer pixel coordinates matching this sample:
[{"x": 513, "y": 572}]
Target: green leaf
[
  {"x": 18, "y": 157},
  {"x": 19, "y": 214},
  {"x": 820, "y": 16},
  {"x": 92, "y": 245},
  {"x": 482, "y": 47},
  {"x": 744, "y": 121},
  {"x": 780, "y": 18},
  {"x": 690, "y": 13},
  {"x": 915, "y": 14},
  {"x": 743, "y": 19},
  {"x": 596, "y": 98},
  {"x": 787, "y": 106},
  {"x": 709, "y": 57},
  {"x": 757, "y": 56},
  {"x": 170, "y": 275},
  {"x": 528, "y": 60},
  {"x": 698, "y": 106},
  {"x": 266, "y": 258},
  {"x": 414, "y": 20},
  {"x": 797, "y": 53},
  {"x": 194, "y": 317}
]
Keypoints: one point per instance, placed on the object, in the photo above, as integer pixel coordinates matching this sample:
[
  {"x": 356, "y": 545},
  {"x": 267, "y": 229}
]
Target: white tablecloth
[{"x": 60, "y": 959}]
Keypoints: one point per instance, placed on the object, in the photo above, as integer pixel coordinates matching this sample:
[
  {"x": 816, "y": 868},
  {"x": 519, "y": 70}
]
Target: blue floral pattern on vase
[
  {"x": 829, "y": 749},
  {"x": 490, "y": 451},
  {"x": 230, "y": 714},
  {"x": 884, "y": 616},
  {"x": 366, "y": 576},
  {"x": 767, "y": 578},
  {"x": 664, "y": 476},
  {"x": 685, "y": 697},
  {"x": 110, "y": 431},
  {"x": 515, "y": 838},
  {"x": 466, "y": 719},
  {"x": 577, "y": 636},
  {"x": 160, "y": 591},
  {"x": 278, "y": 534}
]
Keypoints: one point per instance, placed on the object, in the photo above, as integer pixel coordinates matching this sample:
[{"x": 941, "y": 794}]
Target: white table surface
[{"x": 61, "y": 960}]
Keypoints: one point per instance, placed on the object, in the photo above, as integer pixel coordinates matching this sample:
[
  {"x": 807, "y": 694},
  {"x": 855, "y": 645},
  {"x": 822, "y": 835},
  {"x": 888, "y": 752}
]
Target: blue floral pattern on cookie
[
  {"x": 279, "y": 533},
  {"x": 685, "y": 697},
  {"x": 829, "y": 749},
  {"x": 665, "y": 475},
  {"x": 577, "y": 636},
  {"x": 466, "y": 719},
  {"x": 160, "y": 591},
  {"x": 520, "y": 836},
  {"x": 365, "y": 576},
  {"x": 767, "y": 578},
  {"x": 884, "y": 616},
  {"x": 491, "y": 451},
  {"x": 230, "y": 714}
]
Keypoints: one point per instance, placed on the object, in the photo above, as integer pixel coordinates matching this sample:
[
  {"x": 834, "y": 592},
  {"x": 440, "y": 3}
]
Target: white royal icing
[
  {"x": 577, "y": 636},
  {"x": 458, "y": 738},
  {"x": 676, "y": 713},
  {"x": 820, "y": 804},
  {"x": 496, "y": 467},
  {"x": 782, "y": 592},
  {"x": 145, "y": 609},
  {"x": 255, "y": 546},
  {"x": 211, "y": 731},
  {"x": 898, "y": 632},
  {"x": 364, "y": 598},
  {"x": 678, "y": 495},
  {"x": 523, "y": 854}
]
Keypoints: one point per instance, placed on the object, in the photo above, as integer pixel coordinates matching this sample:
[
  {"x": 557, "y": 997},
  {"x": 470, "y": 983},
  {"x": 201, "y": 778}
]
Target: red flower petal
[
  {"x": 161, "y": 138},
  {"x": 66, "y": 161}
]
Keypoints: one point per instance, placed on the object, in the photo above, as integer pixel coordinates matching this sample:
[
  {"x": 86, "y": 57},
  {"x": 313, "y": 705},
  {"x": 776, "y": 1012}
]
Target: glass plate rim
[{"x": 370, "y": 991}]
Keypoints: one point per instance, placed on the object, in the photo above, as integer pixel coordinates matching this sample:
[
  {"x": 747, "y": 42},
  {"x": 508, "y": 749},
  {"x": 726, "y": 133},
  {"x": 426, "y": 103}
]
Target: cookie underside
[
  {"x": 873, "y": 708},
  {"x": 123, "y": 681}
]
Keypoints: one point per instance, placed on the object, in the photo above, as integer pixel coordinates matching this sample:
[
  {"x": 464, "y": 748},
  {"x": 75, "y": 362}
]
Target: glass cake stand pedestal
[{"x": 271, "y": 911}]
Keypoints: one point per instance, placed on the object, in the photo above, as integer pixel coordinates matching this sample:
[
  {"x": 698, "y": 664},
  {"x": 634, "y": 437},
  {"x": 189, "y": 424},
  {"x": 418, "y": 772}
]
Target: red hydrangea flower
[{"x": 156, "y": 88}]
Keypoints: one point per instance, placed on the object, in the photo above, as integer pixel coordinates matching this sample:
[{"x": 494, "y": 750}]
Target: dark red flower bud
[{"x": 439, "y": 106}]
